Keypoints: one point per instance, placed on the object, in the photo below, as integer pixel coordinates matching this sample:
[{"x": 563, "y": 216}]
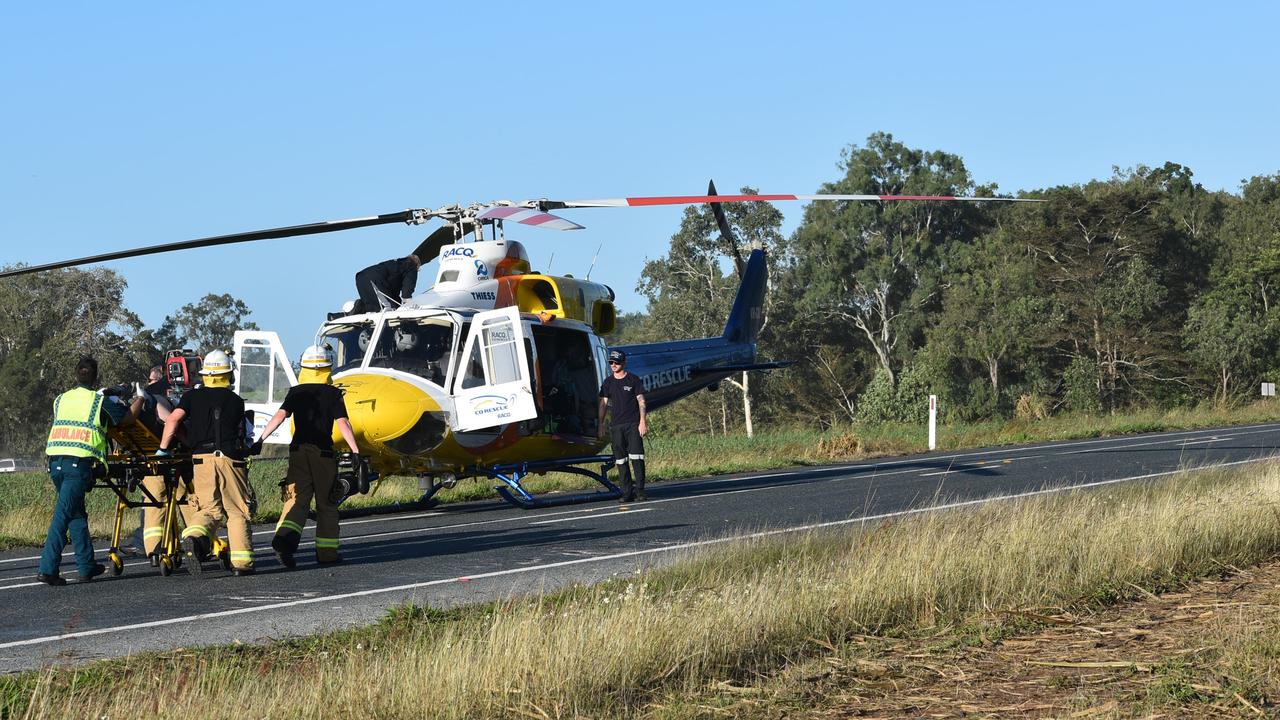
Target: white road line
[
  {"x": 609, "y": 516},
  {"x": 949, "y": 472},
  {"x": 876, "y": 465},
  {"x": 1210, "y": 440},
  {"x": 11, "y": 587},
  {"x": 1166, "y": 442},
  {"x": 1254, "y": 429},
  {"x": 1260, "y": 428},
  {"x": 345, "y": 523},
  {"x": 353, "y": 539},
  {"x": 592, "y": 559}
]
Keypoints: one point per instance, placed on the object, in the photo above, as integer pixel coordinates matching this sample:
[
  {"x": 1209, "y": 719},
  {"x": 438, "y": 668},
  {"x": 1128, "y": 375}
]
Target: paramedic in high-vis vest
[{"x": 77, "y": 451}]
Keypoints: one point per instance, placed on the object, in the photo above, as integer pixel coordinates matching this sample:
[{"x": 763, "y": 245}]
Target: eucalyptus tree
[
  {"x": 47, "y": 322},
  {"x": 994, "y": 312},
  {"x": 1101, "y": 248},
  {"x": 1233, "y": 328},
  {"x": 205, "y": 325},
  {"x": 875, "y": 270}
]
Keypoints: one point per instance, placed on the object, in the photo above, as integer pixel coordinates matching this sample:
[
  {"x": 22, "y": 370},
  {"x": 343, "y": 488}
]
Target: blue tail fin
[{"x": 748, "y": 307}]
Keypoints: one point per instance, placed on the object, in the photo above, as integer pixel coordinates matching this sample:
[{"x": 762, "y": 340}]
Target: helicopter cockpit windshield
[
  {"x": 349, "y": 342},
  {"x": 419, "y": 346}
]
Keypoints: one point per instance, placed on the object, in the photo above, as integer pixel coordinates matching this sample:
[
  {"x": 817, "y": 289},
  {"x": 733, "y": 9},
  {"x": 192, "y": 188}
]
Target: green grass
[
  {"x": 26, "y": 499},
  {"x": 667, "y": 642}
]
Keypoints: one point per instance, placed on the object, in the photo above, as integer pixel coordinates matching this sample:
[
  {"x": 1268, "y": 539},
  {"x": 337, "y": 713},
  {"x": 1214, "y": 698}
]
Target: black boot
[
  {"x": 624, "y": 482},
  {"x": 639, "y": 466},
  {"x": 193, "y": 550},
  {"x": 285, "y": 543}
]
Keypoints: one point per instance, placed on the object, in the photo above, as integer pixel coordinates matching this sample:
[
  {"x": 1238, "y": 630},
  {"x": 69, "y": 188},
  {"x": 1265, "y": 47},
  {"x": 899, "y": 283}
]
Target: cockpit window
[
  {"x": 349, "y": 343},
  {"x": 419, "y": 346}
]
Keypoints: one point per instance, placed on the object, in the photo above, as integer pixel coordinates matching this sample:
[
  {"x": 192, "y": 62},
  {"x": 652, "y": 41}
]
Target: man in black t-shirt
[
  {"x": 214, "y": 419},
  {"x": 624, "y": 392},
  {"x": 316, "y": 406}
]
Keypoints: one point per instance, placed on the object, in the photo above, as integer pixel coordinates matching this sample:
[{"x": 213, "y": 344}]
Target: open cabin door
[
  {"x": 492, "y": 386},
  {"x": 263, "y": 379}
]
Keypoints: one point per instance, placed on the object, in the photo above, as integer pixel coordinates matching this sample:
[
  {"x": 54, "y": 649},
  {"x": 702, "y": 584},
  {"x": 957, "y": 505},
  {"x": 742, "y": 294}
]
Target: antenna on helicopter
[
  {"x": 593, "y": 260},
  {"x": 549, "y": 261}
]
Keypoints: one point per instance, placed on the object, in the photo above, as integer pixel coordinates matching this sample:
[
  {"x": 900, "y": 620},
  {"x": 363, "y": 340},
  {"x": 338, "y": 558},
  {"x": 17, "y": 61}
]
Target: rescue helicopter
[{"x": 493, "y": 372}]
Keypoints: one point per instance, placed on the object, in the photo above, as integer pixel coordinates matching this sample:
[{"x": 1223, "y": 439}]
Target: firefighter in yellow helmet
[
  {"x": 316, "y": 406},
  {"x": 77, "y": 450},
  {"x": 214, "y": 419}
]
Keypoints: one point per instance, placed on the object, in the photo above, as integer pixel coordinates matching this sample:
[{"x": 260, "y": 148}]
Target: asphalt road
[{"x": 483, "y": 551}]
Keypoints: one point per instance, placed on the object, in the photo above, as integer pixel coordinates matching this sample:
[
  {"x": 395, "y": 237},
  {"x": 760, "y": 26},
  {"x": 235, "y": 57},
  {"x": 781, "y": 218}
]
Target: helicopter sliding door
[
  {"x": 568, "y": 378},
  {"x": 492, "y": 386}
]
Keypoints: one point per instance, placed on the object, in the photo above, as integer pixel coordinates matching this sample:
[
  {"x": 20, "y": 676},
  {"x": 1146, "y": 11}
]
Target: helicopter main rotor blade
[
  {"x": 429, "y": 248},
  {"x": 726, "y": 232},
  {"x": 328, "y": 226},
  {"x": 527, "y": 216},
  {"x": 698, "y": 199}
]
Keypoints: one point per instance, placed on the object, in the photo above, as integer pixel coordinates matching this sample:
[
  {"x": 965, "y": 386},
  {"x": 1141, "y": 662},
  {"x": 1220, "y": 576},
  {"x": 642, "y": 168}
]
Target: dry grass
[{"x": 724, "y": 617}]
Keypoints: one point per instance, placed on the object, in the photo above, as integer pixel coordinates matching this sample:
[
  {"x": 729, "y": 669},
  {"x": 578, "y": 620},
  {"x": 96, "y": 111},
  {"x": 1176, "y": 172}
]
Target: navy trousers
[{"x": 72, "y": 476}]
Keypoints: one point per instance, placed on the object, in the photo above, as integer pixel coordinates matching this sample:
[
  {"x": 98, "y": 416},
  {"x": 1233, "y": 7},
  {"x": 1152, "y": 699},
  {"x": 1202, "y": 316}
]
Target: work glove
[
  {"x": 256, "y": 448},
  {"x": 161, "y": 452}
]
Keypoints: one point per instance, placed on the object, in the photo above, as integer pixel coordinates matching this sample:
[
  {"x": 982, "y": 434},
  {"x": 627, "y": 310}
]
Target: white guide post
[{"x": 933, "y": 422}]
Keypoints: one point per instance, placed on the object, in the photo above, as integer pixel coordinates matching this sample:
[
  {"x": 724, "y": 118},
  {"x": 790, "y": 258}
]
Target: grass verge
[{"x": 660, "y": 643}]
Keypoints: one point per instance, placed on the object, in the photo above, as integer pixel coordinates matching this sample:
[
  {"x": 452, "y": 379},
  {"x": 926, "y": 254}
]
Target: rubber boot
[
  {"x": 639, "y": 468},
  {"x": 285, "y": 543},
  {"x": 624, "y": 481}
]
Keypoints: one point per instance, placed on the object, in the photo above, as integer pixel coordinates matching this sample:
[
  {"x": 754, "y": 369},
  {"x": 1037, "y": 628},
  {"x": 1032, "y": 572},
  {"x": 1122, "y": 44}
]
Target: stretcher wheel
[
  {"x": 166, "y": 565},
  {"x": 117, "y": 563}
]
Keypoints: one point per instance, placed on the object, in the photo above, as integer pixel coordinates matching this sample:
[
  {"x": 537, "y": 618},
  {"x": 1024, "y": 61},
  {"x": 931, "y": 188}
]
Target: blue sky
[{"x": 129, "y": 124}]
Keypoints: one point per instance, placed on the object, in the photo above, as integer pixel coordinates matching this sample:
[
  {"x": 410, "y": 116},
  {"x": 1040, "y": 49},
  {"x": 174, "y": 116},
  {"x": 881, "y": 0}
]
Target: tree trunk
[{"x": 746, "y": 403}]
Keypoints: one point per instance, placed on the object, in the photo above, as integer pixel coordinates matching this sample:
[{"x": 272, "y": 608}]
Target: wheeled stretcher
[{"x": 131, "y": 463}]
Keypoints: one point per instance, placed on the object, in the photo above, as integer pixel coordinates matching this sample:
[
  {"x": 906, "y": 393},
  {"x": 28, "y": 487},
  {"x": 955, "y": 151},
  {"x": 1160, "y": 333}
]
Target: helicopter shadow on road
[{"x": 805, "y": 476}]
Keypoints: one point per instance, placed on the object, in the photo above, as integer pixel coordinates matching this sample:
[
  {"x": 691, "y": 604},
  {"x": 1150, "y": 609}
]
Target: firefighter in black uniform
[
  {"x": 387, "y": 284},
  {"x": 214, "y": 417},
  {"x": 316, "y": 406},
  {"x": 624, "y": 391}
]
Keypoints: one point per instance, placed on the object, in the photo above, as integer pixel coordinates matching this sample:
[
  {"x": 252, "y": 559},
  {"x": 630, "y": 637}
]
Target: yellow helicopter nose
[{"x": 393, "y": 413}]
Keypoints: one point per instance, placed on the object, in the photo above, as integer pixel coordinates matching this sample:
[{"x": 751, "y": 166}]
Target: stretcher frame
[{"x": 133, "y": 460}]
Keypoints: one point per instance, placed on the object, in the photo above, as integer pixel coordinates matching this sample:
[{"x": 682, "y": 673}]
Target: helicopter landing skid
[{"x": 512, "y": 478}]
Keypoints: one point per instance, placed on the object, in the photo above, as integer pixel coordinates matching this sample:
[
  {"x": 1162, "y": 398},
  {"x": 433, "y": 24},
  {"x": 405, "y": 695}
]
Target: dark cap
[{"x": 617, "y": 356}]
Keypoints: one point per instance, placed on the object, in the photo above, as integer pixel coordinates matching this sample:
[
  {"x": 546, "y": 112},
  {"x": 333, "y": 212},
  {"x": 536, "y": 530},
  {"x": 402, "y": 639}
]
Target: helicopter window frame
[
  {"x": 493, "y": 359},
  {"x": 384, "y": 352},
  {"x": 331, "y": 334}
]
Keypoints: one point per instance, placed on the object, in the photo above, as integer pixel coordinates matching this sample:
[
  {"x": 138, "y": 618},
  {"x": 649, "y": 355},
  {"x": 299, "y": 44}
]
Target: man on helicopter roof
[{"x": 387, "y": 284}]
